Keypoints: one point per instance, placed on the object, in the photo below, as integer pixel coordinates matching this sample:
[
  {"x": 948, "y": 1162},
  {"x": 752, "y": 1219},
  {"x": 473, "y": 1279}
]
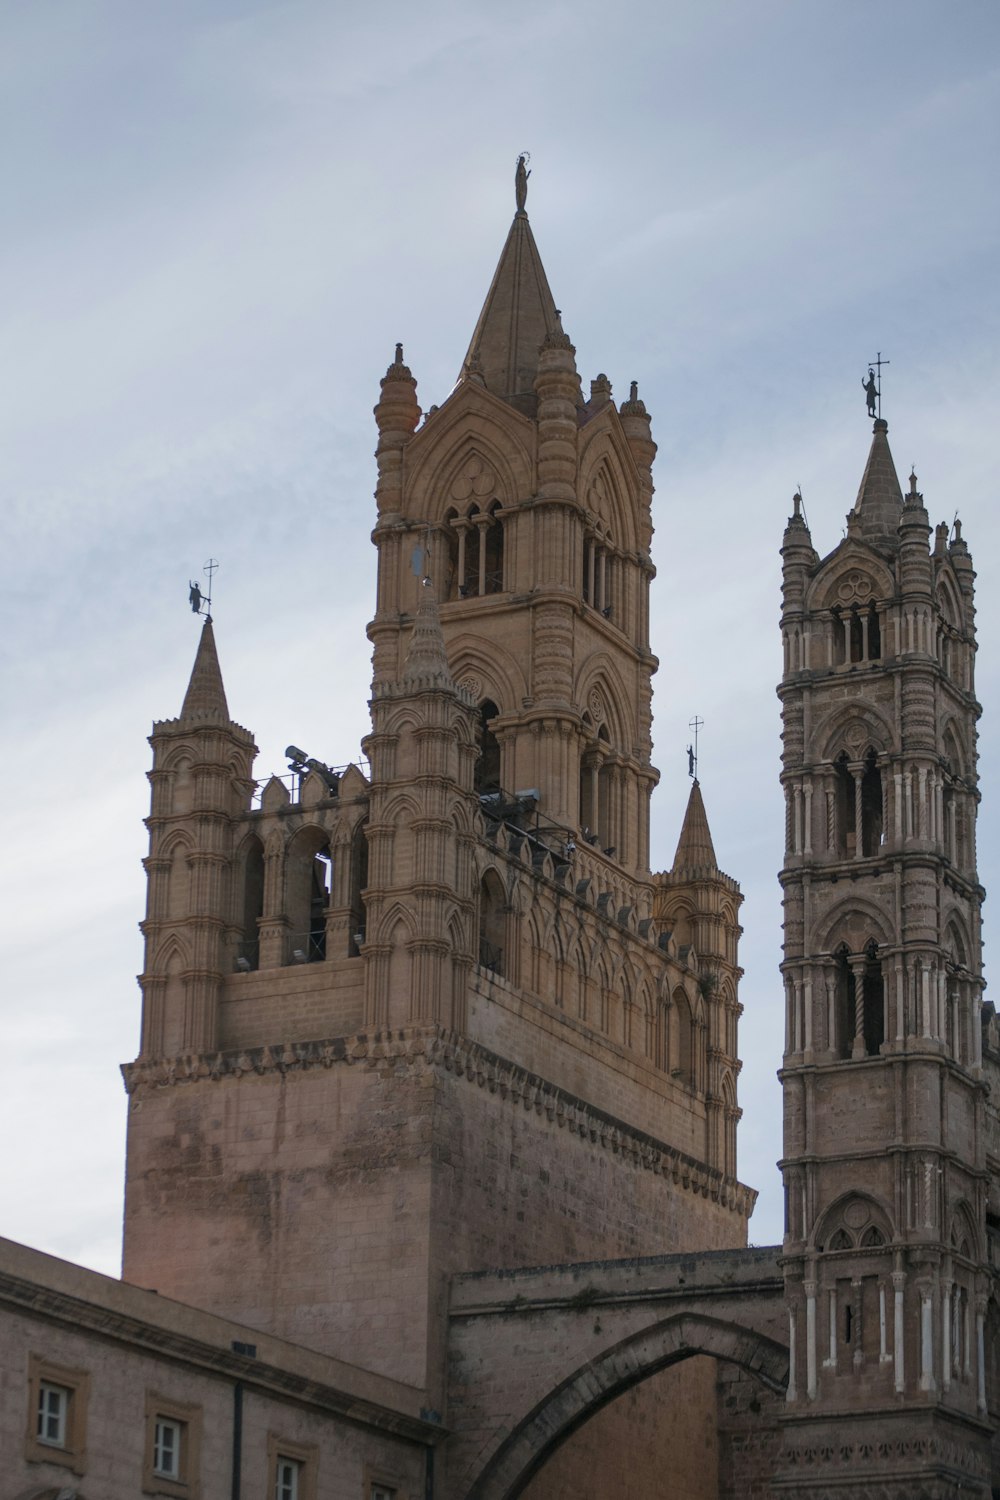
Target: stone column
[
  {"x": 810, "y": 1291},
  {"x": 898, "y": 1331},
  {"x": 792, "y": 1394},
  {"x": 927, "y": 1382},
  {"x": 858, "y": 966}
]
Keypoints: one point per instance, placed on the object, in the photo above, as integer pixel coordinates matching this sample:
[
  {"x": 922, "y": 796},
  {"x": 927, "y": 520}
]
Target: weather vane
[
  {"x": 692, "y": 750},
  {"x": 201, "y": 603},
  {"x": 873, "y": 385}
]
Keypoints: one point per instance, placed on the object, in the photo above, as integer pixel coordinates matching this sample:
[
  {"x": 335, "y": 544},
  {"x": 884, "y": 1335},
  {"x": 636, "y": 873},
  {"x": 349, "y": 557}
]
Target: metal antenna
[{"x": 692, "y": 750}]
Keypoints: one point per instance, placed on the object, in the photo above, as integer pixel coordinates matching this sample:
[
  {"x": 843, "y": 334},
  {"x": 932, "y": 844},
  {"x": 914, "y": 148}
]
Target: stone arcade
[{"x": 435, "y": 1109}]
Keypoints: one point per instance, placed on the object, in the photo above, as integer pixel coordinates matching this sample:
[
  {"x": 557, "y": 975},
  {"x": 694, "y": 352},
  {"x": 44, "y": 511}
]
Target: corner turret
[{"x": 201, "y": 783}]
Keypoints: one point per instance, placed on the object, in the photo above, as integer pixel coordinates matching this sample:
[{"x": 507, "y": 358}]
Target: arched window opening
[
  {"x": 843, "y": 1039},
  {"x": 683, "y": 1050},
  {"x": 492, "y": 922},
  {"x": 307, "y": 895},
  {"x": 841, "y": 1240},
  {"x": 599, "y": 564},
  {"x": 871, "y": 806},
  {"x": 874, "y": 1001},
  {"x": 248, "y": 956},
  {"x": 451, "y": 582},
  {"x": 846, "y": 807},
  {"x": 874, "y": 635},
  {"x": 857, "y": 636},
  {"x": 872, "y": 1239},
  {"x": 492, "y": 542},
  {"x": 359, "y": 885},
  {"x": 486, "y": 778},
  {"x": 838, "y": 650},
  {"x": 470, "y": 538}
]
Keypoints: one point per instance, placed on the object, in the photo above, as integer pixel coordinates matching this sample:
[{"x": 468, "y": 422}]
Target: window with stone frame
[
  {"x": 172, "y": 1457},
  {"x": 56, "y": 1429},
  {"x": 380, "y": 1483},
  {"x": 291, "y": 1469}
]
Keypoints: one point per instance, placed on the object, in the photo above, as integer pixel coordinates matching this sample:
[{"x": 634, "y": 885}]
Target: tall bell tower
[{"x": 884, "y": 1166}]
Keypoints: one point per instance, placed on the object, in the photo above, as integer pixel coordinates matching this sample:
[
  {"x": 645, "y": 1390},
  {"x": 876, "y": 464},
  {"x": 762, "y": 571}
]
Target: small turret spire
[
  {"x": 695, "y": 849},
  {"x": 519, "y": 314},
  {"x": 880, "y": 498},
  {"x": 206, "y": 697},
  {"x": 426, "y": 663}
]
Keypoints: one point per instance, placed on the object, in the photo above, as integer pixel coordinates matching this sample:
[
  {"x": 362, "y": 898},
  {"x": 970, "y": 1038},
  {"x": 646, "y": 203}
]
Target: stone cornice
[
  {"x": 130, "y": 1316},
  {"x": 435, "y": 1046}
]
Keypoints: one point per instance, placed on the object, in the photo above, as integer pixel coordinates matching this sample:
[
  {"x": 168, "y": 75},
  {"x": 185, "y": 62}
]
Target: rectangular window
[
  {"x": 288, "y": 1473},
  {"x": 172, "y": 1461},
  {"x": 291, "y": 1469},
  {"x": 382, "y": 1492},
  {"x": 53, "y": 1413},
  {"x": 168, "y": 1442},
  {"x": 56, "y": 1427}
]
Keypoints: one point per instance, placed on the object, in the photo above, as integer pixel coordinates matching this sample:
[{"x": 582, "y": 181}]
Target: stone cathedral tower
[
  {"x": 885, "y": 1163},
  {"x": 433, "y": 1012}
]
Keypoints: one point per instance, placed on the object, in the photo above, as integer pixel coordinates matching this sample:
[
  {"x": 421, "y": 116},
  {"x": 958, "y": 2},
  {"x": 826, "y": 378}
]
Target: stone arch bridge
[{"x": 533, "y": 1353}]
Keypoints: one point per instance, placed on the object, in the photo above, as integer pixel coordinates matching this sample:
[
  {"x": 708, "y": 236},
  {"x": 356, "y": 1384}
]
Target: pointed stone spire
[
  {"x": 880, "y": 499},
  {"x": 519, "y": 314},
  {"x": 206, "y": 697},
  {"x": 695, "y": 850},
  {"x": 426, "y": 663}
]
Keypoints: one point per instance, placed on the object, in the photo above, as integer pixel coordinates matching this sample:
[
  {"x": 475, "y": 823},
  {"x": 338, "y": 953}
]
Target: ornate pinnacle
[{"x": 633, "y": 407}]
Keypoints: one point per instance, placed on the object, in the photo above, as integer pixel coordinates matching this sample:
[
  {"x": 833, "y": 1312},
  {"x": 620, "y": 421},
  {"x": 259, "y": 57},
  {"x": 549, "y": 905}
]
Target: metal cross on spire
[
  {"x": 201, "y": 602},
  {"x": 692, "y": 750},
  {"x": 873, "y": 385}
]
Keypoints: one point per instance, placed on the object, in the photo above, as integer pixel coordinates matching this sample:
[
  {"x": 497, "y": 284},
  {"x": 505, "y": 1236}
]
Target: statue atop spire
[{"x": 521, "y": 176}]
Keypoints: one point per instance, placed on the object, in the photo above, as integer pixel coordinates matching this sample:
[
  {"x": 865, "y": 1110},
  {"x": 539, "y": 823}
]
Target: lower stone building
[{"x": 431, "y": 1179}]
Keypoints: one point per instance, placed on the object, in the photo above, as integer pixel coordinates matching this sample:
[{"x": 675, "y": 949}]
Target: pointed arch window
[
  {"x": 871, "y": 806},
  {"x": 476, "y": 551},
  {"x": 492, "y": 922},
  {"x": 253, "y": 904},
  {"x": 600, "y": 566},
  {"x": 308, "y": 871},
  {"x": 846, "y": 808},
  {"x": 873, "y": 1020},
  {"x": 486, "y": 778},
  {"x": 359, "y": 886}
]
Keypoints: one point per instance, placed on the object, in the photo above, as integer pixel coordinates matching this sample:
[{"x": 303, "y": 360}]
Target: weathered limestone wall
[
  {"x": 657, "y": 1442},
  {"x": 328, "y": 1201},
  {"x": 131, "y": 1354}
]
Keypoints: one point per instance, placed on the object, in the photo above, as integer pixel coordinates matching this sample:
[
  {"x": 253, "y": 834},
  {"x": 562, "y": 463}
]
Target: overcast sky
[{"x": 217, "y": 219}]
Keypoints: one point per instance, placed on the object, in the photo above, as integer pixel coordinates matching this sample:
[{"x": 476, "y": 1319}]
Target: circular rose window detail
[
  {"x": 472, "y": 684},
  {"x": 595, "y": 706},
  {"x": 854, "y": 586},
  {"x": 856, "y": 1214}
]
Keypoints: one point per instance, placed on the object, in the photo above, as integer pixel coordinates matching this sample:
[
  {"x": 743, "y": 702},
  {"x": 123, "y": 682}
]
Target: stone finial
[
  {"x": 473, "y": 369},
  {"x": 557, "y": 337},
  {"x": 633, "y": 407},
  {"x": 398, "y": 370},
  {"x": 600, "y": 391}
]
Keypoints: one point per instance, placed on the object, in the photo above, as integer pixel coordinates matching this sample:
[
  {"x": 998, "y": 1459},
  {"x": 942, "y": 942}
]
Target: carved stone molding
[{"x": 440, "y": 1048}]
